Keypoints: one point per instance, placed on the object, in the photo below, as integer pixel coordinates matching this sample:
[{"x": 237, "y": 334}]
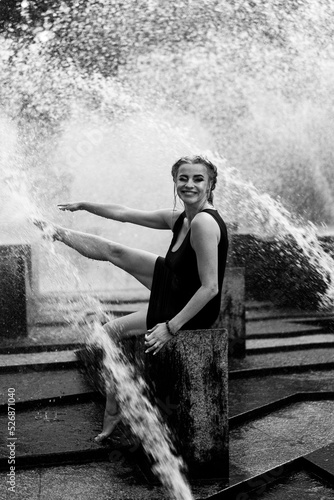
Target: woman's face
[{"x": 192, "y": 183}]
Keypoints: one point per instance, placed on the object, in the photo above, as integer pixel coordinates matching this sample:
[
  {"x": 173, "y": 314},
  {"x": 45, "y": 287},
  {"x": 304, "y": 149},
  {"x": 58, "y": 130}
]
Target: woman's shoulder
[
  {"x": 204, "y": 221},
  {"x": 209, "y": 214},
  {"x": 209, "y": 220}
]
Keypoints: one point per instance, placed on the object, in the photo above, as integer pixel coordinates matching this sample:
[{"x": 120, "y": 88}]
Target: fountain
[{"x": 100, "y": 114}]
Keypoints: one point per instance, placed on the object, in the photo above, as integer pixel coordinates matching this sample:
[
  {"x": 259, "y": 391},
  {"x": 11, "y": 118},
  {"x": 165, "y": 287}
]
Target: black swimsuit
[{"x": 176, "y": 280}]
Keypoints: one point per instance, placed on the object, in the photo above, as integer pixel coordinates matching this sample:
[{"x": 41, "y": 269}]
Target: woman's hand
[
  {"x": 157, "y": 337},
  {"x": 71, "y": 207}
]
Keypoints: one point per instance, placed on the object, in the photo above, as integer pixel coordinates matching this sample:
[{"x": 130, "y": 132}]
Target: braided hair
[{"x": 211, "y": 169}]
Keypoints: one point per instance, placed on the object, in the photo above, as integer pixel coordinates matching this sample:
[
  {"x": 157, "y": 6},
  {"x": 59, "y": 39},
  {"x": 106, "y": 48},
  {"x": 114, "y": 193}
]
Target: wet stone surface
[
  {"x": 250, "y": 393},
  {"x": 110, "y": 480},
  {"x": 37, "y": 358},
  {"x": 302, "y": 339},
  {"x": 297, "y": 485},
  {"x": 292, "y": 358},
  {"x": 254, "y": 447},
  {"x": 281, "y": 436},
  {"x": 44, "y": 384},
  {"x": 55, "y": 429}
]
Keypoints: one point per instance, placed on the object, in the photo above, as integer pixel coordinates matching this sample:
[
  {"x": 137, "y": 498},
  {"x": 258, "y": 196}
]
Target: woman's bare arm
[
  {"x": 205, "y": 236},
  {"x": 157, "y": 219}
]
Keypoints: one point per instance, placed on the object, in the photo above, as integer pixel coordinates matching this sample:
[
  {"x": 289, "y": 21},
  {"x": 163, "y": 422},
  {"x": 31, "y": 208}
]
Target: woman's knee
[
  {"x": 129, "y": 325},
  {"x": 114, "y": 328}
]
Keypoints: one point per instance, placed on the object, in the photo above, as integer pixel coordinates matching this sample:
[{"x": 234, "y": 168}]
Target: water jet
[{"x": 88, "y": 111}]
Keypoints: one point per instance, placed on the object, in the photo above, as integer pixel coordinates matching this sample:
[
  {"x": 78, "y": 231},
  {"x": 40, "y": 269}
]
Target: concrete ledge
[
  {"x": 232, "y": 311},
  {"x": 14, "y": 267}
]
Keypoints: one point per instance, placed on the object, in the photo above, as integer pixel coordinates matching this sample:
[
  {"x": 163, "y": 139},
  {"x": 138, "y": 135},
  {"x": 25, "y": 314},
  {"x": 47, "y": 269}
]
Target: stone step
[
  {"x": 65, "y": 436},
  {"x": 282, "y": 435},
  {"x": 49, "y": 431},
  {"x": 283, "y": 327},
  {"x": 289, "y": 342},
  {"x": 295, "y": 359},
  {"x": 104, "y": 480},
  {"x": 48, "y": 384},
  {"x": 34, "y": 348},
  {"x": 272, "y": 313},
  {"x": 37, "y": 360},
  {"x": 256, "y": 391}
]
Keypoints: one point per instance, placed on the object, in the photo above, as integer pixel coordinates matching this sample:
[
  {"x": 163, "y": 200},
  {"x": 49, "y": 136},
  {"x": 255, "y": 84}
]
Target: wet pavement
[{"x": 277, "y": 416}]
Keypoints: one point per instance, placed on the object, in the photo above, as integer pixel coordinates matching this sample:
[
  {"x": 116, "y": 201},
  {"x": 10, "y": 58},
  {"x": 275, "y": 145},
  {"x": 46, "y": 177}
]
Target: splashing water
[
  {"x": 274, "y": 221},
  {"x": 142, "y": 417},
  {"x": 88, "y": 103},
  {"x": 257, "y": 75}
]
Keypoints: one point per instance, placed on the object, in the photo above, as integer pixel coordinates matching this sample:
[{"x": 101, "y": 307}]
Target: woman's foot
[
  {"x": 110, "y": 422},
  {"x": 49, "y": 230}
]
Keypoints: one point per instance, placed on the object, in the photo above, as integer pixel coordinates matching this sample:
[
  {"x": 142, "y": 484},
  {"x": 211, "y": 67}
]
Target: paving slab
[
  {"x": 299, "y": 484},
  {"x": 117, "y": 479},
  {"x": 253, "y": 392},
  {"x": 292, "y": 358},
  {"x": 282, "y": 435},
  {"x": 53, "y": 429}
]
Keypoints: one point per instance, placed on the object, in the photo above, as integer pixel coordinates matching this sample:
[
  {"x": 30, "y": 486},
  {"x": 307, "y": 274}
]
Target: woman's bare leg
[
  {"x": 138, "y": 263},
  {"x": 127, "y": 326}
]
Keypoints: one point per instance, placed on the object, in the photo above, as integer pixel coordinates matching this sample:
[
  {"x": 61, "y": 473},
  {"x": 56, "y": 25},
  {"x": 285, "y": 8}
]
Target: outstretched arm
[{"x": 157, "y": 219}]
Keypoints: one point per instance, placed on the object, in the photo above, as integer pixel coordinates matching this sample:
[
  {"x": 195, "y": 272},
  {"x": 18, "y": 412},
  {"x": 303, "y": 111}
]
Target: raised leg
[
  {"x": 126, "y": 326},
  {"x": 138, "y": 263}
]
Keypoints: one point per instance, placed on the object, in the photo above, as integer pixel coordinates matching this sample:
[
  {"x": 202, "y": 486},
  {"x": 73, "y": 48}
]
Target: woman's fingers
[
  {"x": 160, "y": 346},
  {"x": 151, "y": 330},
  {"x": 155, "y": 347},
  {"x": 151, "y": 348},
  {"x": 68, "y": 206}
]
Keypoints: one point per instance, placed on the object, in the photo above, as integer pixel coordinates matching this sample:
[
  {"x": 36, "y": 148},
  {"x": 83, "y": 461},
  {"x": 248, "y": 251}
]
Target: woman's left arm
[{"x": 205, "y": 235}]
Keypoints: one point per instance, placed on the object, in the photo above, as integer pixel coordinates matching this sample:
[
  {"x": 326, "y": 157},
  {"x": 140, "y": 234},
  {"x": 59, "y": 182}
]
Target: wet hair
[{"x": 211, "y": 169}]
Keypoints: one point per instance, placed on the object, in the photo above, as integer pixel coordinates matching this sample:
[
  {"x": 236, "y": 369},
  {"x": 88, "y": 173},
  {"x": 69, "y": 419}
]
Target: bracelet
[{"x": 169, "y": 329}]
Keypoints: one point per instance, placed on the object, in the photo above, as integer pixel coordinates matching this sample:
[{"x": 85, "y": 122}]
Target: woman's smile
[{"x": 192, "y": 183}]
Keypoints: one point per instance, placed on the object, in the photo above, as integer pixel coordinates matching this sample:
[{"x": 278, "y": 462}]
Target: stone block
[
  {"x": 190, "y": 383},
  {"x": 232, "y": 311},
  {"x": 14, "y": 273}
]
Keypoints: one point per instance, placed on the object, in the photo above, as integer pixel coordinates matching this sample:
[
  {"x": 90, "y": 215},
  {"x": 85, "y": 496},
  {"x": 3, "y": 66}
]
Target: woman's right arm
[{"x": 157, "y": 219}]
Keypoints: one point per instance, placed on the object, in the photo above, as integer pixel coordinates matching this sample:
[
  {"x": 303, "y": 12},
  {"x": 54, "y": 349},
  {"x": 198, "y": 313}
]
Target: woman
[{"x": 185, "y": 285}]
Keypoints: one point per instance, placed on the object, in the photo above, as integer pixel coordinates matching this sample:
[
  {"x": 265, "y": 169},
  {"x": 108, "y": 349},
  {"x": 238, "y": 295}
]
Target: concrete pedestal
[
  {"x": 189, "y": 377},
  {"x": 14, "y": 270},
  {"x": 189, "y": 383},
  {"x": 232, "y": 311}
]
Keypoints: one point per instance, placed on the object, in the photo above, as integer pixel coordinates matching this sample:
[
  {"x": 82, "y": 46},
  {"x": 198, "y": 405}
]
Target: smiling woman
[{"x": 185, "y": 285}]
